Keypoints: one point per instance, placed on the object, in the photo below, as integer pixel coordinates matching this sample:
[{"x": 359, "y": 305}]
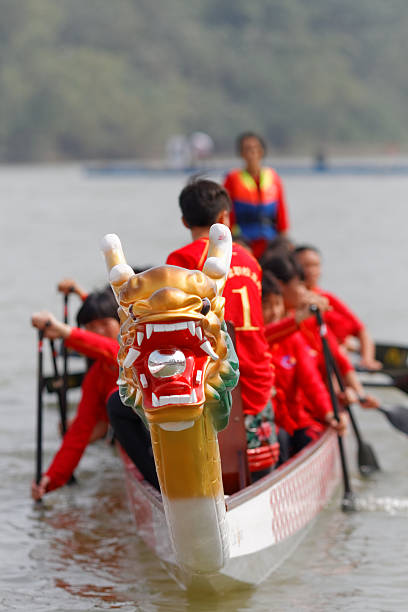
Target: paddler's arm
[
  {"x": 91, "y": 410},
  {"x": 274, "y": 332},
  {"x": 277, "y": 331},
  {"x": 69, "y": 285},
  {"x": 94, "y": 346}
]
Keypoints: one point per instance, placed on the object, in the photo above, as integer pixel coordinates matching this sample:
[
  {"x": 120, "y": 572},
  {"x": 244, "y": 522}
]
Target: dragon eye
[{"x": 206, "y": 306}]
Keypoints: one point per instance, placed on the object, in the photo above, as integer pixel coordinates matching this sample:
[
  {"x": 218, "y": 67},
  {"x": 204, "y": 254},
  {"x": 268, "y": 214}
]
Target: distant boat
[{"x": 296, "y": 168}]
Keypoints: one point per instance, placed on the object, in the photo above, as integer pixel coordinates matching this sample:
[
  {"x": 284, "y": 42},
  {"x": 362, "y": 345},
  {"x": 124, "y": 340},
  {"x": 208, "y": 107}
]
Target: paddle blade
[
  {"x": 397, "y": 416},
  {"x": 348, "y": 503},
  {"x": 367, "y": 461}
]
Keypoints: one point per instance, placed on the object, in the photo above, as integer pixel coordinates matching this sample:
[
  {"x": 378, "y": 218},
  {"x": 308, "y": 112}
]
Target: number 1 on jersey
[{"x": 246, "y": 310}]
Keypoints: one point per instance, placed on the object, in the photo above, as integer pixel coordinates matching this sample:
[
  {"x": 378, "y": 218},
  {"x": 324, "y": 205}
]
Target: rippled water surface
[{"x": 79, "y": 550}]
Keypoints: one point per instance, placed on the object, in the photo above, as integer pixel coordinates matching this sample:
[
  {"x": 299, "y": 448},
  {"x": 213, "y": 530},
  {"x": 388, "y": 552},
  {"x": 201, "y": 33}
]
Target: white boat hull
[{"x": 266, "y": 521}]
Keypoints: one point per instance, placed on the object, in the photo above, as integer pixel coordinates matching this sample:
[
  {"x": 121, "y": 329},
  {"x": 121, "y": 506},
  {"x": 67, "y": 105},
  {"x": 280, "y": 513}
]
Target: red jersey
[
  {"x": 299, "y": 379},
  {"x": 341, "y": 320},
  {"x": 98, "y": 384},
  {"x": 243, "y": 307}
]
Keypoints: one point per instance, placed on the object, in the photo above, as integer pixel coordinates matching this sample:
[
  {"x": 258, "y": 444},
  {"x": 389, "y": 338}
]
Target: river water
[{"x": 79, "y": 550}]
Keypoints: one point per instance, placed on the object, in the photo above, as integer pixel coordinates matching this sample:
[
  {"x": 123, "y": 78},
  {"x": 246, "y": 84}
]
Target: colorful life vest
[{"x": 258, "y": 209}]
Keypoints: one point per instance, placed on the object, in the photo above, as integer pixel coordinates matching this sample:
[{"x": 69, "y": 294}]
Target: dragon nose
[{"x": 163, "y": 364}]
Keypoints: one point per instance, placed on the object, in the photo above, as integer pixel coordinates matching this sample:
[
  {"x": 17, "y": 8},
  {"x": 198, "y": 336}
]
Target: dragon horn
[
  {"x": 217, "y": 264},
  {"x": 119, "y": 271}
]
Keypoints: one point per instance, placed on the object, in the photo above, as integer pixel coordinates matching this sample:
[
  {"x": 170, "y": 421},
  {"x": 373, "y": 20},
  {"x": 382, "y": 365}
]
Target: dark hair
[
  {"x": 240, "y": 139},
  {"x": 98, "y": 305},
  {"x": 281, "y": 245},
  {"x": 201, "y": 201},
  {"x": 270, "y": 285},
  {"x": 306, "y": 247},
  {"x": 284, "y": 267}
]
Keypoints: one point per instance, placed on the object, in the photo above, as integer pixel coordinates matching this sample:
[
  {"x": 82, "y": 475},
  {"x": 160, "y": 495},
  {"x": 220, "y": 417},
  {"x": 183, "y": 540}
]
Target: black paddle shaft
[
  {"x": 367, "y": 460},
  {"x": 40, "y": 386},
  {"x": 60, "y": 393},
  {"x": 64, "y": 391},
  {"x": 348, "y": 497}
]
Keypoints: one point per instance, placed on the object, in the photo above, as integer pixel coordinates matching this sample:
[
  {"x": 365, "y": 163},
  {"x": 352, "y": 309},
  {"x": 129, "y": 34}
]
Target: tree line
[{"x": 100, "y": 79}]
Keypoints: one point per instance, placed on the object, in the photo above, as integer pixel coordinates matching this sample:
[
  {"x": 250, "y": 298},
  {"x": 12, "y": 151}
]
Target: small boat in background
[{"x": 394, "y": 372}]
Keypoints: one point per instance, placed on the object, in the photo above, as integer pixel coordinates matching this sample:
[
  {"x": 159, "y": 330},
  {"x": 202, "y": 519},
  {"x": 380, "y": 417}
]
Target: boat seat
[{"x": 232, "y": 442}]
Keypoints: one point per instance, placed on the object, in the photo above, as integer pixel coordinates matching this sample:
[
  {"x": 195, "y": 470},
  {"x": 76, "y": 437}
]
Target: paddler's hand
[
  {"x": 69, "y": 285},
  {"x": 370, "y": 364},
  {"x": 369, "y": 401},
  {"x": 40, "y": 489},
  {"x": 348, "y": 396},
  {"x": 311, "y": 299},
  {"x": 340, "y": 426},
  {"x": 52, "y": 327}
]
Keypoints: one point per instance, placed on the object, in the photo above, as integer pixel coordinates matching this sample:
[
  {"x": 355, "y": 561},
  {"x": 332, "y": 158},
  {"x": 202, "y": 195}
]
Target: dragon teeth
[
  {"x": 131, "y": 357},
  {"x": 140, "y": 336},
  {"x": 143, "y": 380},
  {"x": 207, "y": 348},
  {"x": 167, "y": 327},
  {"x": 199, "y": 332},
  {"x": 191, "y": 327},
  {"x": 174, "y": 400},
  {"x": 198, "y": 376}
]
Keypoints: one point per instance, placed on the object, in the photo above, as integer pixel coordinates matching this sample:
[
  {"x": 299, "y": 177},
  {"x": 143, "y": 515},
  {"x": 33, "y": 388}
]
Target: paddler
[
  {"x": 98, "y": 341},
  {"x": 340, "y": 319},
  {"x": 305, "y": 407},
  {"x": 289, "y": 276},
  {"x": 259, "y": 212},
  {"x": 203, "y": 203}
]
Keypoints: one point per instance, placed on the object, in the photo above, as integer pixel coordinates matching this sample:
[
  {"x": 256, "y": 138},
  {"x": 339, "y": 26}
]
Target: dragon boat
[{"x": 178, "y": 369}]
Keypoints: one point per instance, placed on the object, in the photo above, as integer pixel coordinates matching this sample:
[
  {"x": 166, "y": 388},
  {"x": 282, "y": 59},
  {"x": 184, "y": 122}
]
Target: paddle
[
  {"x": 53, "y": 384},
  {"x": 397, "y": 416},
  {"x": 348, "y": 501},
  {"x": 367, "y": 461},
  {"x": 59, "y": 390},
  {"x": 40, "y": 385},
  {"x": 64, "y": 390}
]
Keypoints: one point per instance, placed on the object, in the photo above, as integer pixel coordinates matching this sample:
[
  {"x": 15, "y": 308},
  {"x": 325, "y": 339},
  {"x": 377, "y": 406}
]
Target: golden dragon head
[{"x": 175, "y": 353}]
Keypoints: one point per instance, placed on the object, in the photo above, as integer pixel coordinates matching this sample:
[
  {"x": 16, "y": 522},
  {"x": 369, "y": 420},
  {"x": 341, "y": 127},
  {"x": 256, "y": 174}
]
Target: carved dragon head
[{"x": 175, "y": 353}]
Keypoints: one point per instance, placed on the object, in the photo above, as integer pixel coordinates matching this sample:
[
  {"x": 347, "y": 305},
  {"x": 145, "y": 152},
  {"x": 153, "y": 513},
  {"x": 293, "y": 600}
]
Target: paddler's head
[
  {"x": 273, "y": 306},
  {"x": 252, "y": 148},
  {"x": 310, "y": 261},
  {"x": 290, "y": 279},
  {"x": 99, "y": 315},
  {"x": 204, "y": 203}
]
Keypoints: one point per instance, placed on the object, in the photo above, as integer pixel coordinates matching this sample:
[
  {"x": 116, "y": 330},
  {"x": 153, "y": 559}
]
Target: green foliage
[{"x": 104, "y": 79}]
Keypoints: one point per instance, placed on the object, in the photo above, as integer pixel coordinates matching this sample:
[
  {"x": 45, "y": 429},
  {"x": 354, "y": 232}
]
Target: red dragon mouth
[{"x": 169, "y": 359}]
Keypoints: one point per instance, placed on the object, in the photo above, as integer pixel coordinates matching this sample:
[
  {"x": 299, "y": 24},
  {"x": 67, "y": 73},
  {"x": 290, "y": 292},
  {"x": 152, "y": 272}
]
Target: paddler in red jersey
[
  {"x": 340, "y": 319},
  {"x": 305, "y": 408},
  {"x": 259, "y": 212},
  {"x": 289, "y": 275},
  {"x": 204, "y": 203},
  {"x": 98, "y": 341}
]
